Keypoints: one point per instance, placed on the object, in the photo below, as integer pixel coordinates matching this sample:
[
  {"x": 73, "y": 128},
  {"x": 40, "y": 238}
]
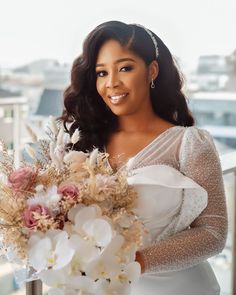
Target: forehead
[{"x": 112, "y": 50}]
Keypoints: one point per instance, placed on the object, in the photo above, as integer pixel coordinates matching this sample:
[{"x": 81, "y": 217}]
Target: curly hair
[{"x": 86, "y": 110}]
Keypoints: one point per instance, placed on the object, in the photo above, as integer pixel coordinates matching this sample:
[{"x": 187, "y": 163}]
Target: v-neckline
[{"x": 143, "y": 149}]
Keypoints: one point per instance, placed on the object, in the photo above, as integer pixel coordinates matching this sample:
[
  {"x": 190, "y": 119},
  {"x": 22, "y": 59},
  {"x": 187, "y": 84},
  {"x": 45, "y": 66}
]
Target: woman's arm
[{"x": 207, "y": 234}]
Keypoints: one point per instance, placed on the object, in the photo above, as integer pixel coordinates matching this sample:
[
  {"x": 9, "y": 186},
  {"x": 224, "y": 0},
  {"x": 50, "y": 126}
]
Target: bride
[{"x": 125, "y": 96}]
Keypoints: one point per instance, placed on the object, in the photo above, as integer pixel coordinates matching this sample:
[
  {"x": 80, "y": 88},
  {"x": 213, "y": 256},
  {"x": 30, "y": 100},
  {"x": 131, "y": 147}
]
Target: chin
[{"x": 121, "y": 111}]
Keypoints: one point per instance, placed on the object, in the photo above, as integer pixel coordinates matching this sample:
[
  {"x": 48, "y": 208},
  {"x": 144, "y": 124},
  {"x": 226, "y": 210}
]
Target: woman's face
[{"x": 123, "y": 79}]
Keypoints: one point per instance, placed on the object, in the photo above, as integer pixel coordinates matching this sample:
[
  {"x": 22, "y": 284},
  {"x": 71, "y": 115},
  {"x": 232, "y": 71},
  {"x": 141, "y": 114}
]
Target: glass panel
[{"x": 222, "y": 263}]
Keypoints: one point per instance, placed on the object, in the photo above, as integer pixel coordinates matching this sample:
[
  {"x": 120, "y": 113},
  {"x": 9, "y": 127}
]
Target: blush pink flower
[
  {"x": 69, "y": 191},
  {"x": 28, "y": 215},
  {"x": 21, "y": 179}
]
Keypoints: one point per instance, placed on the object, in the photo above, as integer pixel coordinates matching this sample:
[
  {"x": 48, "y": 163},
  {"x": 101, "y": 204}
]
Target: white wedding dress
[{"x": 182, "y": 203}]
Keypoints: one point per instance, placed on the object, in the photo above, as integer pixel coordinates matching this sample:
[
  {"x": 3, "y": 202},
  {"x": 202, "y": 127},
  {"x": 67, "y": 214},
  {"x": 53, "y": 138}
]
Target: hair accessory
[
  {"x": 152, "y": 37},
  {"x": 152, "y": 84}
]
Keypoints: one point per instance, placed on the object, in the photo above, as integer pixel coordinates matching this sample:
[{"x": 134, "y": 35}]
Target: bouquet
[{"x": 68, "y": 218}]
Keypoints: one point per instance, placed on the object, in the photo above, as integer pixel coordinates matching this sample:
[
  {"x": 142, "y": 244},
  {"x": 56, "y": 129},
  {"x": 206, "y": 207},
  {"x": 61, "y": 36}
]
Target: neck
[{"x": 138, "y": 122}]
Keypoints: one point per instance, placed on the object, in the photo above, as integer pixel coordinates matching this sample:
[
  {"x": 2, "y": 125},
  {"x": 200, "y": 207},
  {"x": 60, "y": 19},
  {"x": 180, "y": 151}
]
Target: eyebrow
[{"x": 117, "y": 61}]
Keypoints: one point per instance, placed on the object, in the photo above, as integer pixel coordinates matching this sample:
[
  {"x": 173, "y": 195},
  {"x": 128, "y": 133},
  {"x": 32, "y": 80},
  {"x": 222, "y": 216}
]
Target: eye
[
  {"x": 101, "y": 73},
  {"x": 126, "y": 69}
]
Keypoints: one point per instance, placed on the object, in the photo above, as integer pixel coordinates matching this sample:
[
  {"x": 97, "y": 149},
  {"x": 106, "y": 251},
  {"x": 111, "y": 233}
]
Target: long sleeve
[{"x": 207, "y": 234}]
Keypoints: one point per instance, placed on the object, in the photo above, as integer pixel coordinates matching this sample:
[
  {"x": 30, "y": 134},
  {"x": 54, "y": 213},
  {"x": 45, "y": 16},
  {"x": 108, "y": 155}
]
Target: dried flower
[
  {"x": 60, "y": 136},
  {"x": 28, "y": 215},
  {"x": 93, "y": 158},
  {"x": 53, "y": 125},
  {"x": 69, "y": 191},
  {"x": 75, "y": 160},
  {"x": 30, "y": 151},
  {"x": 22, "y": 179}
]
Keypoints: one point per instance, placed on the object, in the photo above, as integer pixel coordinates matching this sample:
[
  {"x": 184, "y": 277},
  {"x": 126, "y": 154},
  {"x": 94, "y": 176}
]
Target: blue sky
[{"x": 32, "y": 29}]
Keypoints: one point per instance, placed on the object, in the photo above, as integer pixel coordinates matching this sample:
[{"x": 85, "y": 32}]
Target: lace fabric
[{"x": 192, "y": 151}]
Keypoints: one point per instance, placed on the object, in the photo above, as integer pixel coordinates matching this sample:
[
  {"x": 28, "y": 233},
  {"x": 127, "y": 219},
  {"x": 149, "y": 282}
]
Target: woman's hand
[{"x": 140, "y": 260}]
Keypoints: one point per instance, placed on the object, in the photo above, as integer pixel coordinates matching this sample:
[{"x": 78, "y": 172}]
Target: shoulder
[
  {"x": 196, "y": 134},
  {"x": 196, "y": 143}
]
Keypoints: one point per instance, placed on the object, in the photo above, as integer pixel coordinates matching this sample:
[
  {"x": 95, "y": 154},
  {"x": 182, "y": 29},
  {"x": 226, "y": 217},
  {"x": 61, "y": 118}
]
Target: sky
[{"x": 35, "y": 29}]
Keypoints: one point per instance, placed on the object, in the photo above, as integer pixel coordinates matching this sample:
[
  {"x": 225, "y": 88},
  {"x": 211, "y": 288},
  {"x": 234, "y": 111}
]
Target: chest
[{"x": 122, "y": 147}]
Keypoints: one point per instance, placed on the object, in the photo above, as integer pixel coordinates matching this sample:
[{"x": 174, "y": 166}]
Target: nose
[{"x": 112, "y": 80}]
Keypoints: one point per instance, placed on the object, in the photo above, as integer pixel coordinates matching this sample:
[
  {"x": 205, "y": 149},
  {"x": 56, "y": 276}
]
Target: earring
[{"x": 152, "y": 84}]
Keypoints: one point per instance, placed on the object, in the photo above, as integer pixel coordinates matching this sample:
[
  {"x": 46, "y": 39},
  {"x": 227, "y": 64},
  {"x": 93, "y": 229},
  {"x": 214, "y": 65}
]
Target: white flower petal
[
  {"x": 82, "y": 282},
  {"x": 73, "y": 211},
  {"x": 100, "y": 230},
  {"x": 58, "y": 235},
  {"x": 34, "y": 239},
  {"x": 56, "y": 291},
  {"x": 114, "y": 246},
  {"x": 133, "y": 271},
  {"x": 85, "y": 214},
  {"x": 53, "y": 278},
  {"x": 102, "y": 287},
  {"x": 39, "y": 253},
  {"x": 64, "y": 253},
  {"x": 85, "y": 249}
]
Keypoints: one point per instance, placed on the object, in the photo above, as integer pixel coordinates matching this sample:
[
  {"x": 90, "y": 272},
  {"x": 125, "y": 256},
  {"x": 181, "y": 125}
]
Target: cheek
[
  {"x": 139, "y": 83},
  {"x": 98, "y": 86}
]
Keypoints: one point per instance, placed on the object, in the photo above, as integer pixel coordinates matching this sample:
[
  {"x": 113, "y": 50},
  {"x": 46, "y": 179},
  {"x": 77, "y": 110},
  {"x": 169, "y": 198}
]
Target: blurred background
[{"x": 40, "y": 40}]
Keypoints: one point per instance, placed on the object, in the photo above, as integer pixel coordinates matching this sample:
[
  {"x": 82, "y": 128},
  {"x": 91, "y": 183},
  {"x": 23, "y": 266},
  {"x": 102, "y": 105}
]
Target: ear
[{"x": 153, "y": 70}]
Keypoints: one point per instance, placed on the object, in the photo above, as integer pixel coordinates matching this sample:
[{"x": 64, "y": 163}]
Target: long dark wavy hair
[{"x": 86, "y": 110}]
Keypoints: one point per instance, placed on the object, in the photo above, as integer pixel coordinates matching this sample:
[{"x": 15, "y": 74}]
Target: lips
[{"x": 116, "y": 98}]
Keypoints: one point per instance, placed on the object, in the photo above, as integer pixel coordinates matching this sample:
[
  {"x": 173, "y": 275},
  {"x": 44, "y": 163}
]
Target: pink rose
[
  {"x": 69, "y": 191},
  {"x": 28, "y": 215},
  {"x": 21, "y": 179}
]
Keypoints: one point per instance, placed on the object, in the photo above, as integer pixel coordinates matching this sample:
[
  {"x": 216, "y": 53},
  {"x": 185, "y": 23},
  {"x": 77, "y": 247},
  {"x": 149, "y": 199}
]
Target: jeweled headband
[{"x": 152, "y": 37}]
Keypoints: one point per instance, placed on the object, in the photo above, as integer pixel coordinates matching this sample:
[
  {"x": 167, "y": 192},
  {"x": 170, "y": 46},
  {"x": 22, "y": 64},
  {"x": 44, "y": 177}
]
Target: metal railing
[
  {"x": 15, "y": 104},
  {"x": 228, "y": 162}
]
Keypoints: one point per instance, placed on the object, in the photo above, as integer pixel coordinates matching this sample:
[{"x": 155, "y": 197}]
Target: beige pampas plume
[
  {"x": 30, "y": 151},
  {"x": 93, "y": 158},
  {"x": 53, "y": 125},
  {"x": 75, "y": 136},
  {"x": 60, "y": 136},
  {"x": 32, "y": 134}
]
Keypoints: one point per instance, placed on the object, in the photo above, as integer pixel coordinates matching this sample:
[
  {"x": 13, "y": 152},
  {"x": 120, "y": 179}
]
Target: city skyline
[{"x": 32, "y": 30}]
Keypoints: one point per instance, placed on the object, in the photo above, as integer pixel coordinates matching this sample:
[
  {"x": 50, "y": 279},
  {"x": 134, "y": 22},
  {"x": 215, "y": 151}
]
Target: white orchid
[
  {"x": 64, "y": 283},
  {"x": 105, "y": 287},
  {"x": 121, "y": 283},
  {"x": 89, "y": 224},
  {"x": 53, "y": 251},
  {"x": 85, "y": 253},
  {"x": 107, "y": 264}
]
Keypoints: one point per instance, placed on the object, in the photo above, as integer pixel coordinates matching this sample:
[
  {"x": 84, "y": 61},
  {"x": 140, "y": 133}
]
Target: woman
[{"x": 125, "y": 97}]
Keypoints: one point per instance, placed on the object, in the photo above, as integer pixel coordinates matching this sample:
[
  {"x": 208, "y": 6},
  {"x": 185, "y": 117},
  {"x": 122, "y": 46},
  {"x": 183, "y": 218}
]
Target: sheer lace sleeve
[{"x": 206, "y": 235}]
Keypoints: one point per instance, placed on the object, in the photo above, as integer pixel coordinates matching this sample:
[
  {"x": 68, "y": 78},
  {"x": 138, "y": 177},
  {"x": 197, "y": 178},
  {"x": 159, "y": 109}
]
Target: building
[{"x": 216, "y": 112}]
